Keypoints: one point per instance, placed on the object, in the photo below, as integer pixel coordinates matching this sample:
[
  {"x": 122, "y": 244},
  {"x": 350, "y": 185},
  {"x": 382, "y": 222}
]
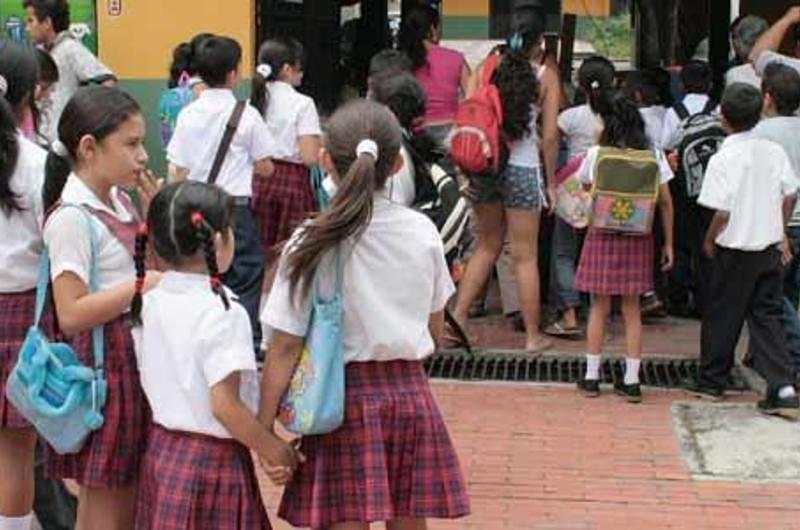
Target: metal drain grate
[{"x": 487, "y": 366}]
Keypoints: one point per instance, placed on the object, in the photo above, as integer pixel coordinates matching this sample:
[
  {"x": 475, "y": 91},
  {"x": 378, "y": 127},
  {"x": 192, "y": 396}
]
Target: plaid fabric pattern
[
  {"x": 282, "y": 202},
  {"x": 16, "y": 316},
  {"x": 615, "y": 264},
  {"x": 111, "y": 456},
  {"x": 391, "y": 458},
  {"x": 192, "y": 482}
]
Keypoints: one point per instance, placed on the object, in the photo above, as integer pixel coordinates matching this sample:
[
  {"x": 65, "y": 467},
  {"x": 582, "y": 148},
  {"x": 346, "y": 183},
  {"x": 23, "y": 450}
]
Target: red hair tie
[
  {"x": 216, "y": 283},
  {"x": 197, "y": 219},
  {"x": 143, "y": 230},
  {"x": 139, "y": 283}
]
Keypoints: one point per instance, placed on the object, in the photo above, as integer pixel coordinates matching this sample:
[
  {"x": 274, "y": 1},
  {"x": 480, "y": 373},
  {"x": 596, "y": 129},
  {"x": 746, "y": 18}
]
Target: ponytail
[
  {"x": 56, "y": 171},
  {"x": 596, "y": 79},
  {"x": 415, "y": 30},
  {"x": 259, "y": 94},
  {"x": 9, "y": 156},
  {"x": 206, "y": 236},
  {"x": 139, "y": 260},
  {"x": 273, "y": 55}
]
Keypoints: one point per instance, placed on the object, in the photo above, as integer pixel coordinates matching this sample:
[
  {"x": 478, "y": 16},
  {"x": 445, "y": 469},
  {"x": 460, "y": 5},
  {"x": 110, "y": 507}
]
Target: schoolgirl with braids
[
  {"x": 100, "y": 154},
  {"x": 194, "y": 352},
  {"x": 395, "y": 284},
  {"x": 21, "y": 177}
]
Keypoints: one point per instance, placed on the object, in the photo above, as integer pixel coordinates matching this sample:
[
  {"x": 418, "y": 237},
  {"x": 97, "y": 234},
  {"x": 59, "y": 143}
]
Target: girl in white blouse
[{"x": 395, "y": 287}]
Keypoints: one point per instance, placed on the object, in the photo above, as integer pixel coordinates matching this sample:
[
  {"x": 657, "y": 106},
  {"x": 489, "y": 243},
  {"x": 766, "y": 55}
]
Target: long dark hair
[
  {"x": 19, "y": 69},
  {"x": 623, "y": 124},
  {"x": 97, "y": 111},
  {"x": 350, "y": 210},
  {"x": 276, "y": 53},
  {"x": 417, "y": 27},
  {"x": 596, "y": 77},
  {"x": 184, "y": 57},
  {"x": 182, "y": 220}
]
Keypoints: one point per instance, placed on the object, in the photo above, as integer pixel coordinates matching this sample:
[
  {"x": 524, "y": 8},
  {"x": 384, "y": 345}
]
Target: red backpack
[{"x": 476, "y": 144}]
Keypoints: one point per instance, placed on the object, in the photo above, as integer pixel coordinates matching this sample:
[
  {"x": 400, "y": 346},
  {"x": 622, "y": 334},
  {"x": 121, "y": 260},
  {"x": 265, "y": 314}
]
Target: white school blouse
[
  {"x": 67, "y": 237},
  {"x": 198, "y": 134},
  {"x": 21, "y": 229},
  {"x": 395, "y": 276},
  {"x": 187, "y": 344},
  {"x": 289, "y": 116}
]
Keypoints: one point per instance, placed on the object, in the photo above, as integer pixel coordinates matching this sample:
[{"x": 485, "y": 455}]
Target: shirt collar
[
  {"x": 735, "y": 138},
  {"x": 182, "y": 281},
  {"x": 76, "y": 191},
  {"x": 61, "y": 37},
  {"x": 281, "y": 85},
  {"x": 217, "y": 94}
]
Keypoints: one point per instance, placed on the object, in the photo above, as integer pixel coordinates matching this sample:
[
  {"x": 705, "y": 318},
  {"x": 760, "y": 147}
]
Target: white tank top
[{"x": 525, "y": 151}]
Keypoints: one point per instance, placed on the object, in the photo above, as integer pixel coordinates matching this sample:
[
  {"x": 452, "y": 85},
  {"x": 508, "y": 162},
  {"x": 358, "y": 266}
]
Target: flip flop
[
  {"x": 556, "y": 329},
  {"x": 540, "y": 348}
]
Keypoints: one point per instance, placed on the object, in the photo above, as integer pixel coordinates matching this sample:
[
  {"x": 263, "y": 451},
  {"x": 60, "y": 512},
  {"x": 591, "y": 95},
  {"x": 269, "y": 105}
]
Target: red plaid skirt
[
  {"x": 16, "y": 316},
  {"x": 281, "y": 202},
  {"x": 615, "y": 264},
  {"x": 111, "y": 456},
  {"x": 191, "y": 482},
  {"x": 391, "y": 458}
]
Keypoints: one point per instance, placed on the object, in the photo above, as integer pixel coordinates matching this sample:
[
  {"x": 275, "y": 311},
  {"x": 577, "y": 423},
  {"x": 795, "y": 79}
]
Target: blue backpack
[{"x": 170, "y": 105}]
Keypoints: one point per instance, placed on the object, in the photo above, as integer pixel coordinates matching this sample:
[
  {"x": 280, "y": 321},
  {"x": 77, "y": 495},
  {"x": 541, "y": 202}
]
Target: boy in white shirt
[
  {"x": 751, "y": 185},
  {"x": 194, "y": 147}
]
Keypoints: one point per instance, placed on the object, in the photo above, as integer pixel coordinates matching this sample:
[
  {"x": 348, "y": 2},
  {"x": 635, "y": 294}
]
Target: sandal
[
  {"x": 542, "y": 346},
  {"x": 557, "y": 329}
]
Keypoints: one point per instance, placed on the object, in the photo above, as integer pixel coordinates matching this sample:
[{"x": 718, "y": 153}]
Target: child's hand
[
  {"x": 147, "y": 187},
  {"x": 278, "y": 475},
  {"x": 786, "y": 251},
  {"x": 278, "y": 453},
  {"x": 551, "y": 199},
  {"x": 667, "y": 258},
  {"x": 708, "y": 247},
  {"x": 672, "y": 159}
]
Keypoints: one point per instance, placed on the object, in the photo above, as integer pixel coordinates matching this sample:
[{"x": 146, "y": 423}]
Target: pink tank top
[{"x": 441, "y": 79}]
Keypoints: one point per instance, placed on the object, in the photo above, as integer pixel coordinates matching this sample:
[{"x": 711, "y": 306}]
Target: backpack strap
[
  {"x": 681, "y": 110},
  {"x": 709, "y": 107},
  {"x": 227, "y": 138}
]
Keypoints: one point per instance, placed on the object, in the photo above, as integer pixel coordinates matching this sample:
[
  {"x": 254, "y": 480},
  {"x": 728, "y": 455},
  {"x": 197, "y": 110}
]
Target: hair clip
[
  {"x": 515, "y": 42},
  {"x": 264, "y": 70},
  {"x": 197, "y": 219},
  {"x": 60, "y": 149},
  {"x": 367, "y": 147},
  {"x": 216, "y": 283},
  {"x": 139, "y": 283},
  {"x": 595, "y": 84},
  {"x": 3, "y": 86}
]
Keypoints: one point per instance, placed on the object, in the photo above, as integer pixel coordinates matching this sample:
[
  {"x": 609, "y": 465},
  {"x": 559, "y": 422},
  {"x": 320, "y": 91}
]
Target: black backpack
[{"x": 701, "y": 136}]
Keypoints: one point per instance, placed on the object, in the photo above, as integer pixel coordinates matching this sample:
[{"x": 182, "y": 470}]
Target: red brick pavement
[{"x": 541, "y": 457}]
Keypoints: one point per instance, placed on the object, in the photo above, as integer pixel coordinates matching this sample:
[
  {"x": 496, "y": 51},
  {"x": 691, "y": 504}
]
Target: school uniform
[
  {"x": 194, "y": 144},
  {"x": 748, "y": 178},
  {"x": 284, "y": 200},
  {"x": 19, "y": 264},
  {"x": 194, "y": 474},
  {"x": 392, "y": 457},
  {"x": 612, "y": 263},
  {"x": 110, "y": 457}
]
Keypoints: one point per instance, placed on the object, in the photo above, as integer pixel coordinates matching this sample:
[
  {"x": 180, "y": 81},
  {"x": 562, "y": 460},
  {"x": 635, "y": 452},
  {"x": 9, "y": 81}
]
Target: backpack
[
  {"x": 701, "y": 136},
  {"x": 625, "y": 191},
  {"x": 476, "y": 143},
  {"x": 171, "y": 102}
]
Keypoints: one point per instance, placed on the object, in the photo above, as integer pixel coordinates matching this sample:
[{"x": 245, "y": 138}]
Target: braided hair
[{"x": 182, "y": 220}]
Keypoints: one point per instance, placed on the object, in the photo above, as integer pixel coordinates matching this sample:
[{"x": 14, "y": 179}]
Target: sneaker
[
  {"x": 703, "y": 391},
  {"x": 786, "y": 408},
  {"x": 631, "y": 393},
  {"x": 589, "y": 387}
]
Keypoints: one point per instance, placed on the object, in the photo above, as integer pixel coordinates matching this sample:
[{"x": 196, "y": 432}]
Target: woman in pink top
[{"x": 442, "y": 72}]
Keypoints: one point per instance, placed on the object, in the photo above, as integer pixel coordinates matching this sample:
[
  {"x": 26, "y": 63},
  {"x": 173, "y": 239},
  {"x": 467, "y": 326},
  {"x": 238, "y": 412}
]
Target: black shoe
[
  {"x": 703, "y": 391},
  {"x": 589, "y": 387},
  {"x": 631, "y": 393},
  {"x": 786, "y": 408}
]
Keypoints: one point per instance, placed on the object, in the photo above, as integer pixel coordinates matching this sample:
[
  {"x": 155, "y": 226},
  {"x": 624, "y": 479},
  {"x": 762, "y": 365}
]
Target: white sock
[
  {"x": 592, "y": 367},
  {"x": 16, "y": 523},
  {"x": 632, "y": 370},
  {"x": 786, "y": 392}
]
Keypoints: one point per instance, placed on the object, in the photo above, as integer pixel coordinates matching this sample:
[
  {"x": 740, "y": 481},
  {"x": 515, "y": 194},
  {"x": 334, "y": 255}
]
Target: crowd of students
[{"x": 188, "y": 277}]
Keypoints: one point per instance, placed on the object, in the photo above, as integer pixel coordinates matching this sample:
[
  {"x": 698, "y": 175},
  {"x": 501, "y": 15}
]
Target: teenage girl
[
  {"x": 195, "y": 352},
  {"x": 21, "y": 176},
  {"x": 392, "y": 458},
  {"x": 614, "y": 264},
  {"x": 99, "y": 152},
  {"x": 513, "y": 201},
  {"x": 283, "y": 201}
]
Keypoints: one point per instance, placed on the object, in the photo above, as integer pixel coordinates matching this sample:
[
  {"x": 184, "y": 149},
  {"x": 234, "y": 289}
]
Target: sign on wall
[{"x": 82, "y": 14}]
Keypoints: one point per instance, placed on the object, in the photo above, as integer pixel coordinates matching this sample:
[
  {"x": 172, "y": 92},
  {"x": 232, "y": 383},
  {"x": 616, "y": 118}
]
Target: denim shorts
[{"x": 517, "y": 187}]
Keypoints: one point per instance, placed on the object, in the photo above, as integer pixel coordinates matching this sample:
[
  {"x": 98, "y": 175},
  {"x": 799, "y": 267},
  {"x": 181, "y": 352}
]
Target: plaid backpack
[{"x": 625, "y": 191}]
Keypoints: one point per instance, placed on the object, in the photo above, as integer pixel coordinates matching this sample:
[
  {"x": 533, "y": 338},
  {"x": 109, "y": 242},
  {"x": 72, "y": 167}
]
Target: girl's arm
[
  {"x": 78, "y": 310},
  {"x": 436, "y": 327},
  {"x": 667, "y": 222},
  {"x": 229, "y": 410},
  {"x": 716, "y": 226},
  {"x": 284, "y": 352},
  {"x": 309, "y": 149},
  {"x": 550, "y": 102},
  {"x": 466, "y": 80}
]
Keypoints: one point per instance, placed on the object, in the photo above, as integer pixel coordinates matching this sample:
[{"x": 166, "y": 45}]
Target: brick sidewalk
[{"x": 542, "y": 457}]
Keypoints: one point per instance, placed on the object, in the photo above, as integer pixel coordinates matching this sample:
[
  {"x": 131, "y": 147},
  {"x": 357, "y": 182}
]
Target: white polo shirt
[
  {"x": 749, "y": 177},
  {"x": 744, "y": 73},
  {"x": 67, "y": 236},
  {"x": 290, "y": 115},
  {"x": 670, "y": 133},
  {"x": 198, "y": 134},
  {"x": 21, "y": 230},
  {"x": 395, "y": 277},
  {"x": 187, "y": 344}
]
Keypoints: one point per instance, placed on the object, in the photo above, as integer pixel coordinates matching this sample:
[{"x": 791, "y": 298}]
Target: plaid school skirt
[
  {"x": 281, "y": 202},
  {"x": 391, "y": 458},
  {"x": 614, "y": 264},
  {"x": 16, "y": 316},
  {"x": 111, "y": 456},
  {"x": 191, "y": 482}
]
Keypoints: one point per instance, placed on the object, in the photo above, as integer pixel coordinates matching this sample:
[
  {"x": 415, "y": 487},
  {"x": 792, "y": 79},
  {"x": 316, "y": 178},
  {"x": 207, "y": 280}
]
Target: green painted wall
[{"x": 466, "y": 28}]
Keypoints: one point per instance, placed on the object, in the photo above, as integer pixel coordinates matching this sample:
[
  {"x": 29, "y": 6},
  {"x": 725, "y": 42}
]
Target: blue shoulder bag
[
  {"x": 314, "y": 401},
  {"x": 49, "y": 385}
]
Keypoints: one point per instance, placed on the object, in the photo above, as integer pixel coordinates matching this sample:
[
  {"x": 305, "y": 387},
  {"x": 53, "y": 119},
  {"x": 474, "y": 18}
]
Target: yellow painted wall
[
  {"x": 466, "y": 8},
  {"x": 138, "y": 44},
  {"x": 600, "y": 8}
]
